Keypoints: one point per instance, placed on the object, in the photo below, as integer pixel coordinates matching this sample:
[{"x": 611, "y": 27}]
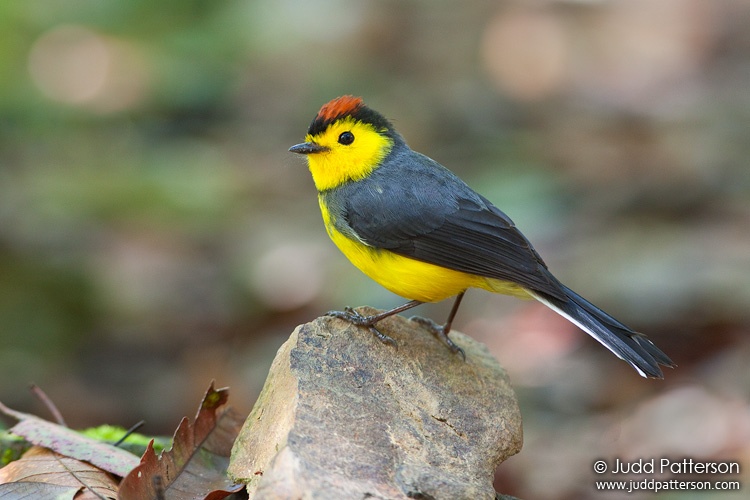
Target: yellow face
[{"x": 353, "y": 150}]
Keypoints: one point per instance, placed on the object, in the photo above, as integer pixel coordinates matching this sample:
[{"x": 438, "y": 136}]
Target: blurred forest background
[{"x": 156, "y": 234}]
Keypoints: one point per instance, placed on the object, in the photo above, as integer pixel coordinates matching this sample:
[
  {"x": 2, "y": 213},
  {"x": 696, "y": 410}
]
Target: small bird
[{"x": 418, "y": 230}]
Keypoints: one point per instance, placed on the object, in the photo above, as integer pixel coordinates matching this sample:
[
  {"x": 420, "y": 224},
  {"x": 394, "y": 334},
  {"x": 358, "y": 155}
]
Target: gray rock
[{"x": 344, "y": 416}]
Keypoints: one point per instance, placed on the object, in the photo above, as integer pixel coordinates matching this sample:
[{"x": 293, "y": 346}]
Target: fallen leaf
[
  {"x": 42, "y": 473},
  {"x": 22, "y": 489},
  {"x": 69, "y": 443},
  {"x": 196, "y": 466}
]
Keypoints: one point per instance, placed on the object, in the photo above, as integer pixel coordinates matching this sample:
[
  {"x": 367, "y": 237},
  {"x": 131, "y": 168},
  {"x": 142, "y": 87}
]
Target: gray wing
[{"x": 421, "y": 210}]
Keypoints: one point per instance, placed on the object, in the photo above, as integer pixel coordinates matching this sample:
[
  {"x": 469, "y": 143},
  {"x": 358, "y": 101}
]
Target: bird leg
[
  {"x": 442, "y": 332},
  {"x": 355, "y": 318}
]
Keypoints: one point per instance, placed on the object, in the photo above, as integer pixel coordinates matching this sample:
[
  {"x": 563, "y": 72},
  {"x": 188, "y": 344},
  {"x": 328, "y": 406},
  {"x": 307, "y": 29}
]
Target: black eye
[{"x": 346, "y": 138}]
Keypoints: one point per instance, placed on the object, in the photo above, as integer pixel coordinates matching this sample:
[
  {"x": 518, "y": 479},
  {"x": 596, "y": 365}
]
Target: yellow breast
[{"x": 409, "y": 278}]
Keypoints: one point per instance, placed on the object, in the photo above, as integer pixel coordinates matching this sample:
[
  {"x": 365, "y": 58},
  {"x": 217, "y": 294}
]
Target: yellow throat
[{"x": 343, "y": 163}]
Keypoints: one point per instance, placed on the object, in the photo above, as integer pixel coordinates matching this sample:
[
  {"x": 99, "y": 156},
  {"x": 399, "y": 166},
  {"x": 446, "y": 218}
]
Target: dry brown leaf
[
  {"x": 69, "y": 443},
  {"x": 196, "y": 466},
  {"x": 42, "y": 473}
]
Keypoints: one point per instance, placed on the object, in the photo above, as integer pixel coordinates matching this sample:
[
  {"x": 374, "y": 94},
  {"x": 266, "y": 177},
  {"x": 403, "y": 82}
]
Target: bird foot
[
  {"x": 357, "y": 319},
  {"x": 439, "y": 332}
]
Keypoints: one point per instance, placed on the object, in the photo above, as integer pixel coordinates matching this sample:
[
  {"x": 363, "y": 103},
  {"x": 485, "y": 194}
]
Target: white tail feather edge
[{"x": 585, "y": 329}]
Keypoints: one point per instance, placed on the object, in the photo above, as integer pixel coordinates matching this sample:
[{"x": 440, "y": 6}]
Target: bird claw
[
  {"x": 357, "y": 319},
  {"x": 439, "y": 332}
]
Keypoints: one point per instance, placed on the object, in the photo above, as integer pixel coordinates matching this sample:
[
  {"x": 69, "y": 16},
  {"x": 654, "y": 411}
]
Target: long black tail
[{"x": 630, "y": 346}]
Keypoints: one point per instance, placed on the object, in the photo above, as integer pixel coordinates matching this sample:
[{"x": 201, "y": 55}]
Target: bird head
[{"x": 346, "y": 141}]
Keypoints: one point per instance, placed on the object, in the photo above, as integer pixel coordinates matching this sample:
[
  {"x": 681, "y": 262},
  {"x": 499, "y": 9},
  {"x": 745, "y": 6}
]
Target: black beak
[{"x": 308, "y": 148}]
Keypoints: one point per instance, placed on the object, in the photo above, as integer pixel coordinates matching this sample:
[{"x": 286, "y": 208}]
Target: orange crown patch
[
  {"x": 347, "y": 106},
  {"x": 341, "y": 106}
]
